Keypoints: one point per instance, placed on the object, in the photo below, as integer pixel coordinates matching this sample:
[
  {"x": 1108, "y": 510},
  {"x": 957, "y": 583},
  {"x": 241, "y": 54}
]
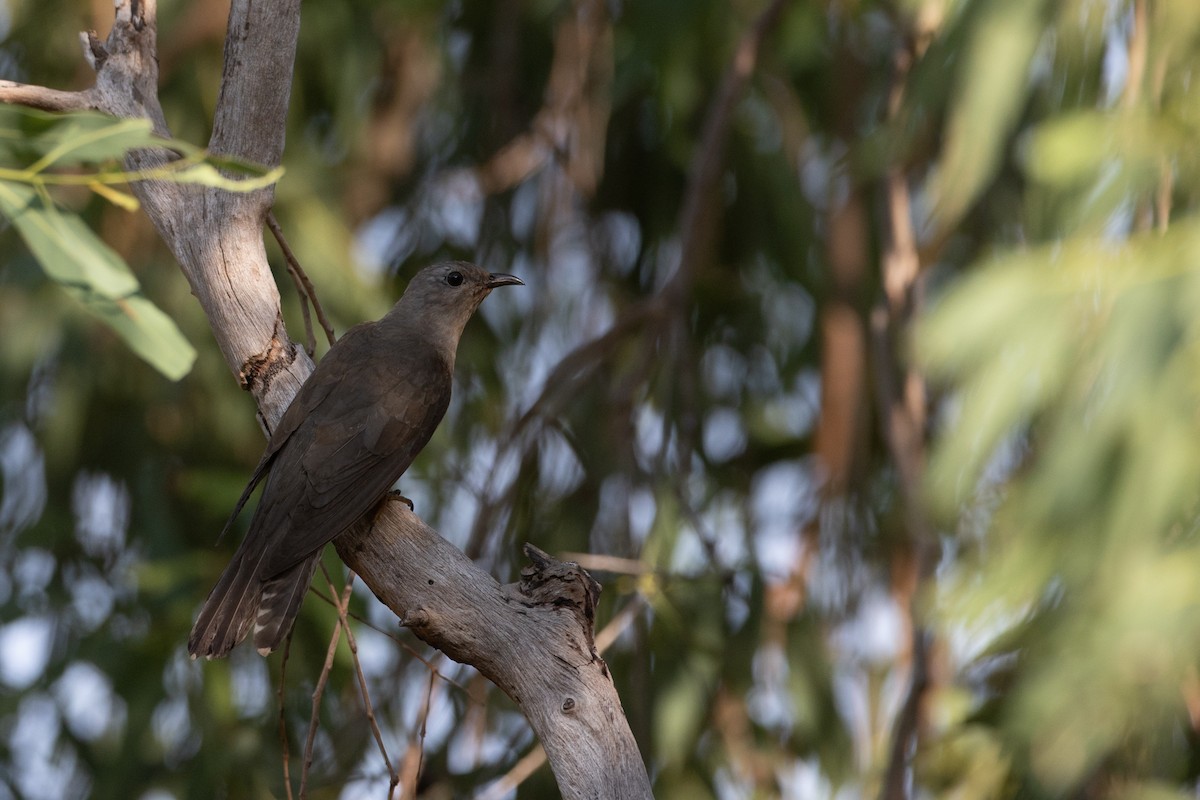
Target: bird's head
[{"x": 443, "y": 297}]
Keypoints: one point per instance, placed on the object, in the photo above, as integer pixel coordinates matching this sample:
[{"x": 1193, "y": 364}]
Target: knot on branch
[
  {"x": 546, "y": 581},
  {"x": 137, "y": 14},
  {"x": 260, "y": 369},
  {"x": 418, "y": 620},
  {"x": 94, "y": 51}
]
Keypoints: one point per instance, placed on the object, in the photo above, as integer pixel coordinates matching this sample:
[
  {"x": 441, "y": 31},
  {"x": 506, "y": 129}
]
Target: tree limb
[
  {"x": 39, "y": 97},
  {"x": 533, "y": 639}
]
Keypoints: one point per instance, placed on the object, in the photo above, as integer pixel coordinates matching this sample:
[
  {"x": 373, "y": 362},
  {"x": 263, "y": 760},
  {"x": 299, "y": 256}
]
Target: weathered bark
[{"x": 533, "y": 640}]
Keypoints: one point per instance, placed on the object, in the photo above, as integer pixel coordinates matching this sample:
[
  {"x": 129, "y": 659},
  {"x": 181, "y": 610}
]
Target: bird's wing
[
  {"x": 338, "y": 465},
  {"x": 312, "y": 394},
  {"x": 334, "y": 371}
]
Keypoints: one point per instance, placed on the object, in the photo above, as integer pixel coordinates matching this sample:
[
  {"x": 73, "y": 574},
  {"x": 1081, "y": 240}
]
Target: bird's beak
[{"x": 503, "y": 279}]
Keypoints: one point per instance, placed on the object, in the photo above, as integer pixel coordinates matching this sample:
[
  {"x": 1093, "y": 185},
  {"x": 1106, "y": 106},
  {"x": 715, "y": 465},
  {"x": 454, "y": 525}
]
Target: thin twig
[
  {"x": 901, "y": 400},
  {"x": 699, "y": 221},
  {"x": 563, "y": 383},
  {"x": 1162, "y": 199},
  {"x": 310, "y": 338},
  {"x": 304, "y": 286},
  {"x": 618, "y": 624},
  {"x": 525, "y": 767},
  {"x": 577, "y": 366},
  {"x": 316, "y": 700},
  {"x": 1135, "y": 55},
  {"x": 594, "y": 562},
  {"x": 421, "y": 735},
  {"x": 1138, "y": 49},
  {"x": 698, "y": 229},
  {"x": 908, "y": 719},
  {"x": 368, "y": 706},
  {"x": 559, "y": 131},
  {"x": 283, "y": 737}
]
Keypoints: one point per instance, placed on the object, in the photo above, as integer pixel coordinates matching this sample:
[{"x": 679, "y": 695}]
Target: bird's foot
[{"x": 394, "y": 494}]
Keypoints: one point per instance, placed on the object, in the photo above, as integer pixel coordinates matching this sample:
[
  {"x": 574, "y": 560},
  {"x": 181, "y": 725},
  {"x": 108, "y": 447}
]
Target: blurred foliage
[
  {"x": 1074, "y": 355},
  {"x": 1039, "y": 152}
]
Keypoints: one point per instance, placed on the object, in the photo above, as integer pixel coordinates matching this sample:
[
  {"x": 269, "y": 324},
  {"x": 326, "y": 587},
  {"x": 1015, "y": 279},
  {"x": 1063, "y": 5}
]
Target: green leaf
[
  {"x": 1072, "y": 148},
  {"x": 206, "y": 174},
  {"x": 238, "y": 166},
  {"x": 67, "y": 249},
  {"x": 82, "y": 136},
  {"x": 77, "y": 141},
  {"x": 681, "y": 706},
  {"x": 987, "y": 104},
  {"x": 91, "y": 271},
  {"x": 32, "y": 142},
  {"x": 147, "y": 330}
]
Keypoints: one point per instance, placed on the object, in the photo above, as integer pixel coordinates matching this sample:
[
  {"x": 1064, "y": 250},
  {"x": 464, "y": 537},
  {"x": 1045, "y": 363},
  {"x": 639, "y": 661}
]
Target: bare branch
[
  {"x": 310, "y": 339},
  {"x": 507, "y": 783},
  {"x": 215, "y": 235},
  {"x": 567, "y": 129},
  {"x": 403, "y": 644},
  {"x": 659, "y": 317},
  {"x": 318, "y": 692},
  {"x": 698, "y": 221},
  {"x": 256, "y": 81},
  {"x": 284, "y": 747},
  {"x": 424, "y": 728},
  {"x": 368, "y": 706},
  {"x": 304, "y": 287},
  {"x": 24, "y": 94},
  {"x": 529, "y": 763}
]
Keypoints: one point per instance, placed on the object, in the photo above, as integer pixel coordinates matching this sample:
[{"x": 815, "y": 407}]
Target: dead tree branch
[{"x": 533, "y": 639}]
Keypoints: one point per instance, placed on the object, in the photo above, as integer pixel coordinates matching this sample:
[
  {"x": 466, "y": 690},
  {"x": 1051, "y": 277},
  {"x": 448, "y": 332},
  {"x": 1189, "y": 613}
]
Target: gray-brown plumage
[{"x": 352, "y": 430}]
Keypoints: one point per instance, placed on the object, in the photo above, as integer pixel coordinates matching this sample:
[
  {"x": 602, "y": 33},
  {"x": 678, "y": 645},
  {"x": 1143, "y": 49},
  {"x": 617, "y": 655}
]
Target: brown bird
[{"x": 356, "y": 424}]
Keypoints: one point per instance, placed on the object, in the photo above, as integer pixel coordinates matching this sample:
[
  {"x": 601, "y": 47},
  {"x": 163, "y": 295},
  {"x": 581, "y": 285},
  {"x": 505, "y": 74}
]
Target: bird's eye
[{"x": 454, "y": 278}]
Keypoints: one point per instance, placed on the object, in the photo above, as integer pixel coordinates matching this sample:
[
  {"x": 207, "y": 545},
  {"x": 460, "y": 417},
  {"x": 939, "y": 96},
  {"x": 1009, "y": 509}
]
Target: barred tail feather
[
  {"x": 280, "y": 603},
  {"x": 226, "y": 615}
]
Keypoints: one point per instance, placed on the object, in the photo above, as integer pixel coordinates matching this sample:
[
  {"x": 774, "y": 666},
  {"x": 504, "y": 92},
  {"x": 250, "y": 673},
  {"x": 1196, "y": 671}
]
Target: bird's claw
[{"x": 395, "y": 494}]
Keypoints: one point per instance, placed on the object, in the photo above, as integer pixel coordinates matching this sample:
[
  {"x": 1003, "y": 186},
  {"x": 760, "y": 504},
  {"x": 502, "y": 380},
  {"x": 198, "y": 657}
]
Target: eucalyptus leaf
[
  {"x": 73, "y": 256},
  {"x": 74, "y": 138},
  {"x": 987, "y": 103},
  {"x": 67, "y": 249},
  {"x": 148, "y": 331},
  {"x": 32, "y": 142},
  {"x": 207, "y": 175}
]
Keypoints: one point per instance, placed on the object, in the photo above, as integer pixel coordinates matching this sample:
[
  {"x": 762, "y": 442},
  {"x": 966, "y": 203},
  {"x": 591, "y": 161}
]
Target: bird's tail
[
  {"x": 280, "y": 603},
  {"x": 226, "y": 615},
  {"x": 242, "y": 597}
]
